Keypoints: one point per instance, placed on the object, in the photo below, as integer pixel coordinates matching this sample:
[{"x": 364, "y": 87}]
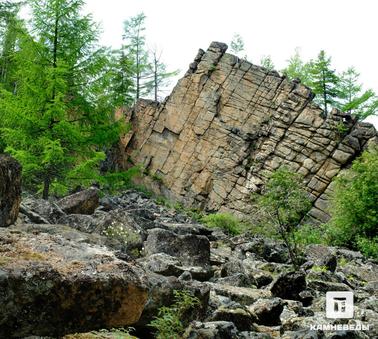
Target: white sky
[{"x": 346, "y": 29}]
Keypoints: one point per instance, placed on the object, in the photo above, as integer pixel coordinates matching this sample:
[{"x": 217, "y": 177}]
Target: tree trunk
[{"x": 46, "y": 187}]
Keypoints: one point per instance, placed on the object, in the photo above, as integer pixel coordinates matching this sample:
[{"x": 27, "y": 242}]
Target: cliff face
[{"x": 228, "y": 124}]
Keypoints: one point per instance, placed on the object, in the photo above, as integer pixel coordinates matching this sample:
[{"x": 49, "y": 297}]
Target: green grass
[{"x": 226, "y": 222}]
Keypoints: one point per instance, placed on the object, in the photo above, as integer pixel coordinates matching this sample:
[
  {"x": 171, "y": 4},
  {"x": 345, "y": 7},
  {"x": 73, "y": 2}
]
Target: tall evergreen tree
[
  {"x": 353, "y": 99},
  {"x": 9, "y": 30},
  {"x": 57, "y": 122},
  {"x": 160, "y": 74},
  {"x": 297, "y": 68},
  {"x": 135, "y": 50},
  {"x": 324, "y": 81}
]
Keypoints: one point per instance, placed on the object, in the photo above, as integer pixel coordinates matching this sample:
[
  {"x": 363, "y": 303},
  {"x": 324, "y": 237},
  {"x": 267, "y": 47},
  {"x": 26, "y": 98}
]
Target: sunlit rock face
[{"x": 228, "y": 124}]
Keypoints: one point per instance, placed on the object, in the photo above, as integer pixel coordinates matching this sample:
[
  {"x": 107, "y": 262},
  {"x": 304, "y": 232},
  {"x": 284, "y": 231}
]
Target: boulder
[
  {"x": 211, "y": 330},
  {"x": 83, "y": 202},
  {"x": 242, "y": 295},
  {"x": 161, "y": 293},
  {"x": 189, "y": 248},
  {"x": 40, "y": 211},
  {"x": 289, "y": 285},
  {"x": 267, "y": 311},
  {"x": 51, "y": 286},
  {"x": 322, "y": 256},
  {"x": 242, "y": 318},
  {"x": 167, "y": 265},
  {"x": 10, "y": 190}
]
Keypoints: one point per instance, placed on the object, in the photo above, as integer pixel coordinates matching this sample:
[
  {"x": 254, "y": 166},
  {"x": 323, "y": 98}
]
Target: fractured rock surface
[
  {"x": 228, "y": 124},
  {"x": 10, "y": 190},
  {"x": 53, "y": 285}
]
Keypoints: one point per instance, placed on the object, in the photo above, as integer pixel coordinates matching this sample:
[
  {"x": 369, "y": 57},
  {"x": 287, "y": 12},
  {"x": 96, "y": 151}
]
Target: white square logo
[{"x": 339, "y": 305}]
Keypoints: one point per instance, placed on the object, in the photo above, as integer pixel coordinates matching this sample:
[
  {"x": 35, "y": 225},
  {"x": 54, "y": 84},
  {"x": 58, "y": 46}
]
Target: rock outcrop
[
  {"x": 228, "y": 124},
  {"x": 10, "y": 190}
]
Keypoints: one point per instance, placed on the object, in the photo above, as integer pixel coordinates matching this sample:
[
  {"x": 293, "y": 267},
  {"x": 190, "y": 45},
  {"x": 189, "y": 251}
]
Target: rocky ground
[{"x": 85, "y": 263}]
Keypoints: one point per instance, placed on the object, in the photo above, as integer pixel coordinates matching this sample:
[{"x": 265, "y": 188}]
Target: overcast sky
[{"x": 346, "y": 29}]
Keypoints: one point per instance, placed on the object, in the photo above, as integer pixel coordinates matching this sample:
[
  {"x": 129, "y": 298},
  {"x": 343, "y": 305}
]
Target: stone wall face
[{"x": 228, "y": 124}]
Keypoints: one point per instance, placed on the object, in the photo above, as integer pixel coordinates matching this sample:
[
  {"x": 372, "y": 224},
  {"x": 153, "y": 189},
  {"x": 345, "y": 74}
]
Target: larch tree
[
  {"x": 135, "y": 50},
  {"x": 297, "y": 68},
  {"x": 324, "y": 82},
  {"x": 58, "y": 121},
  {"x": 161, "y": 77},
  {"x": 9, "y": 30},
  {"x": 354, "y": 100}
]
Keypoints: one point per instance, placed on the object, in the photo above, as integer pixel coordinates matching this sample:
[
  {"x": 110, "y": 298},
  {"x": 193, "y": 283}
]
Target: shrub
[
  {"x": 354, "y": 206},
  {"x": 225, "y": 221},
  {"x": 170, "y": 322},
  {"x": 310, "y": 234},
  {"x": 282, "y": 205}
]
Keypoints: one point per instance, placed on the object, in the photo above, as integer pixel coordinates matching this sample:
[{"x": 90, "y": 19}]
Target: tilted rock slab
[
  {"x": 10, "y": 190},
  {"x": 51, "y": 286},
  {"x": 228, "y": 124}
]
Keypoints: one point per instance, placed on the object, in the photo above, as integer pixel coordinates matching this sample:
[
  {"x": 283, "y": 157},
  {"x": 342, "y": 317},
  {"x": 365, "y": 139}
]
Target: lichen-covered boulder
[
  {"x": 51, "y": 285},
  {"x": 10, "y": 190},
  {"x": 83, "y": 202}
]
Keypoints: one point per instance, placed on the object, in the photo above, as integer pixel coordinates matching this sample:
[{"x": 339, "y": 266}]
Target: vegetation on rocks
[
  {"x": 354, "y": 206},
  {"x": 282, "y": 205},
  {"x": 170, "y": 321},
  {"x": 224, "y": 221}
]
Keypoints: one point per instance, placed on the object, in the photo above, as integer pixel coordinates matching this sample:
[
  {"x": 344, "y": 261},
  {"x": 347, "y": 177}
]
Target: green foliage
[
  {"x": 58, "y": 121},
  {"x": 134, "y": 49},
  {"x": 342, "y": 91},
  {"x": 354, "y": 207},
  {"x": 297, "y": 69},
  {"x": 353, "y": 99},
  {"x": 282, "y": 205},
  {"x": 267, "y": 62},
  {"x": 116, "y": 181},
  {"x": 320, "y": 269},
  {"x": 225, "y": 221},
  {"x": 171, "y": 321},
  {"x": 237, "y": 45},
  {"x": 309, "y": 234},
  {"x": 324, "y": 81}
]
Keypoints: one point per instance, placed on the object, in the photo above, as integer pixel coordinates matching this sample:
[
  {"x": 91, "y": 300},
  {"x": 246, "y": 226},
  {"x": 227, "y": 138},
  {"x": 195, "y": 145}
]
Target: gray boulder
[
  {"x": 83, "y": 202},
  {"x": 211, "y": 330},
  {"x": 289, "y": 285},
  {"x": 189, "y": 248}
]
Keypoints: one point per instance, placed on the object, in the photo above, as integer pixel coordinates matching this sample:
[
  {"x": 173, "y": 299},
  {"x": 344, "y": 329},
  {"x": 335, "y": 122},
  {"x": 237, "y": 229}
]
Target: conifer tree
[
  {"x": 297, "y": 68},
  {"x": 160, "y": 74},
  {"x": 324, "y": 81},
  {"x": 135, "y": 50},
  {"x": 9, "y": 30},
  {"x": 353, "y": 99},
  {"x": 58, "y": 121}
]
